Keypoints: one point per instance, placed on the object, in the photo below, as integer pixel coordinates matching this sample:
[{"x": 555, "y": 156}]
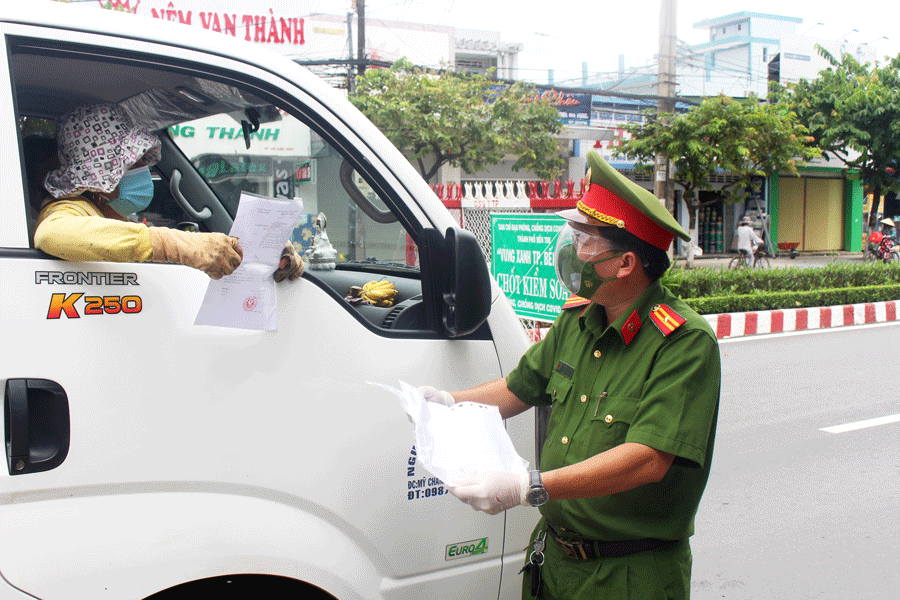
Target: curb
[{"x": 731, "y": 325}]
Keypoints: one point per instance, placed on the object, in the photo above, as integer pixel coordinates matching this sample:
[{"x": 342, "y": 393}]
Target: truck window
[
  {"x": 205, "y": 125},
  {"x": 286, "y": 159}
]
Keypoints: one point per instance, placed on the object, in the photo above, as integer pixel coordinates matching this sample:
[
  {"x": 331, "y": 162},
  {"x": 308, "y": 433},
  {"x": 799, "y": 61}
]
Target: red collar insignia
[
  {"x": 631, "y": 327},
  {"x": 666, "y": 319}
]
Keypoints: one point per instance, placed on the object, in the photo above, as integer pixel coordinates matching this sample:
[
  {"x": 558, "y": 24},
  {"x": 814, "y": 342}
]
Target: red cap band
[{"x": 601, "y": 204}]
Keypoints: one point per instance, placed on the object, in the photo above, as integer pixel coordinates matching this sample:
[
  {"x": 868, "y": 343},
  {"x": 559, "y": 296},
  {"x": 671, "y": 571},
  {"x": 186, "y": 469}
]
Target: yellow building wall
[
  {"x": 811, "y": 213},
  {"x": 824, "y": 214},
  {"x": 790, "y": 210}
]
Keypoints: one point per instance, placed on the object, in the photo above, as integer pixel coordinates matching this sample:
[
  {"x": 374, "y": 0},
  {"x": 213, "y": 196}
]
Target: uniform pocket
[
  {"x": 614, "y": 415},
  {"x": 558, "y": 388}
]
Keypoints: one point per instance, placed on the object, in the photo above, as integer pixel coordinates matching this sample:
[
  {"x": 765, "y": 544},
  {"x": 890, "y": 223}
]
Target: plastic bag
[{"x": 456, "y": 443}]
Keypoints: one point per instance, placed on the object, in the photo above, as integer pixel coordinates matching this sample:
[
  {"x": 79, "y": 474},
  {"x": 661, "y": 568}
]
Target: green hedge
[{"x": 719, "y": 290}]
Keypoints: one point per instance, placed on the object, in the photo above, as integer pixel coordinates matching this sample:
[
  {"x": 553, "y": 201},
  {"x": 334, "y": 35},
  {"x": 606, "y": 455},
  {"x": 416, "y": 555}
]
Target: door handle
[
  {"x": 175, "y": 189},
  {"x": 36, "y": 415}
]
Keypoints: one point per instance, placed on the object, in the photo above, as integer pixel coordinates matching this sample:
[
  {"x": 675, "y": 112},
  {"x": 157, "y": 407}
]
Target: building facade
[{"x": 745, "y": 51}]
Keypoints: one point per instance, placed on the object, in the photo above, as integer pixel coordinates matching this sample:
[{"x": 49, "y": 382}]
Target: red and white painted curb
[{"x": 730, "y": 325}]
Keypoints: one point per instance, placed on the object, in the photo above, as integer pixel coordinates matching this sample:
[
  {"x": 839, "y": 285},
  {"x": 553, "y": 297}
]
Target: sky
[{"x": 563, "y": 35}]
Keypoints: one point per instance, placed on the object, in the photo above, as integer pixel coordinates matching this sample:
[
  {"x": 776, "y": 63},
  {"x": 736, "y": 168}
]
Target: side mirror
[{"x": 457, "y": 282}]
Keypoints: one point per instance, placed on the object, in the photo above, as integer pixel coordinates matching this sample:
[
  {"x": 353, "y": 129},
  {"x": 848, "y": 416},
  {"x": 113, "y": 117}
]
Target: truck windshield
[{"x": 286, "y": 159}]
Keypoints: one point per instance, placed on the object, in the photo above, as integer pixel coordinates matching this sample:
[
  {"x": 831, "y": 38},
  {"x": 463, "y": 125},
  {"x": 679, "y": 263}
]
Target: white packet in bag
[{"x": 456, "y": 443}]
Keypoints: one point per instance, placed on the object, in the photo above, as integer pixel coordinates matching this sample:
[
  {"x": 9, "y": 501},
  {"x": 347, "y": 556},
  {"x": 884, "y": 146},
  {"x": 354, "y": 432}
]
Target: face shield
[{"x": 578, "y": 249}]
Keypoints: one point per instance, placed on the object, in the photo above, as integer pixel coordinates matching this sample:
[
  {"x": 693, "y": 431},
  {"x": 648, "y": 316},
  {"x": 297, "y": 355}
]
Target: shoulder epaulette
[
  {"x": 666, "y": 319},
  {"x": 574, "y": 301}
]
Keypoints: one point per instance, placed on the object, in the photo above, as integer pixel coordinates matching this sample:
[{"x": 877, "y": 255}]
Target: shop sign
[
  {"x": 574, "y": 108},
  {"x": 280, "y": 24}
]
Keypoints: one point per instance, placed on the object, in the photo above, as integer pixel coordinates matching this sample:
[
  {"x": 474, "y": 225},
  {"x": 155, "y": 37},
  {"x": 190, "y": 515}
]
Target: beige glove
[
  {"x": 216, "y": 254},
  {"x": 290, "y": 266}
]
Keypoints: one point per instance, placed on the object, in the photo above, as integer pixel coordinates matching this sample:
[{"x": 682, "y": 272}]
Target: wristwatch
[{"x": 536, "y": 494}]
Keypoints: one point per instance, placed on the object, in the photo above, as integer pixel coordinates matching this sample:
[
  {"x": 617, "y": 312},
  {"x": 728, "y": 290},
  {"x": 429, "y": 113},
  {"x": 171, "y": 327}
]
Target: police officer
[{"x": 632, "y": 375}]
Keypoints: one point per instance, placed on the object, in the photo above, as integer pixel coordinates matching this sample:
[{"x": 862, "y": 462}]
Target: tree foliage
[
  {"x": 853, "y": 111},
  {"x": 469, "y": 121},
  {"x": 743, "y": 137}
]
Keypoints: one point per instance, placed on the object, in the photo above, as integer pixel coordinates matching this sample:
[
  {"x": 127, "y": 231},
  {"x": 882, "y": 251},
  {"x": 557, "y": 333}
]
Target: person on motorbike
[
  {"x": 888, "y": 241},
  {"x": 748, "y": 241}
]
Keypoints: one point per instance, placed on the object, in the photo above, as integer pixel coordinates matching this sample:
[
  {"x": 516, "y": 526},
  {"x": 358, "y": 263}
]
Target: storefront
[{"x": 820, "y": 211}]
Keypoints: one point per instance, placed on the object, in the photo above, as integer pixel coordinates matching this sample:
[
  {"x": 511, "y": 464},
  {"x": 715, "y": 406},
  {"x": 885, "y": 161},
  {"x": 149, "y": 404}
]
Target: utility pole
[
  {"x": 663, "y": 186},
  {"x": 351, "y": 72},
  {"x": 361, "y": 40}
]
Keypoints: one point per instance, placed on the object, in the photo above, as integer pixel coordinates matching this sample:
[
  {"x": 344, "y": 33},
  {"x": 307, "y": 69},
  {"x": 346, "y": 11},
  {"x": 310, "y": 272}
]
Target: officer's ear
[{"x": 629, "y": 262}]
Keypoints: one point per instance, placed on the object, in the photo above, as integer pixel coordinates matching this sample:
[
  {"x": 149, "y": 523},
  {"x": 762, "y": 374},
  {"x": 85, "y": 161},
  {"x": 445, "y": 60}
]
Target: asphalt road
[{"x": 793, "y": 512}]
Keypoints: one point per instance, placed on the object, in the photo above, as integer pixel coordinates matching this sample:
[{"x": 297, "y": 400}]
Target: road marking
[{"x": 862, "y": 424}]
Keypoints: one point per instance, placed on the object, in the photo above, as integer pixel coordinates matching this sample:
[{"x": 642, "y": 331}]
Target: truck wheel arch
[
  {"x": 243, "y": 586},
  {"x": 141, "y": 544}
]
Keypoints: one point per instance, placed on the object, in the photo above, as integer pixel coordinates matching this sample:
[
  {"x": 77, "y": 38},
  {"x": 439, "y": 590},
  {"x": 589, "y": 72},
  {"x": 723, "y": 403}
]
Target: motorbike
[{"x": 883, "y": 247}]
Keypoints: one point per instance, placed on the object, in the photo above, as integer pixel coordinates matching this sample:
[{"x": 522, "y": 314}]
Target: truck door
[{"x": 129, "y": 425}]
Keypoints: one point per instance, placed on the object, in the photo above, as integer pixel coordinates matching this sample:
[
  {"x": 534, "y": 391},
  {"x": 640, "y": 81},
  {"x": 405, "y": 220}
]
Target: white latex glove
[
  {"x": 435, "y": 395},
  {"x": 493, "y": 492}
]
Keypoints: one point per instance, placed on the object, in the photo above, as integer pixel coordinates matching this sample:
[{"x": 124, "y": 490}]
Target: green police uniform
[{"x": 651, "y": 377}]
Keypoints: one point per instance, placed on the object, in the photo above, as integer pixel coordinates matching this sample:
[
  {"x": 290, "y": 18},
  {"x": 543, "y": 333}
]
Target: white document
[
  {"x": 456, "y": 443},
  {"x": 246, "y": 298}
]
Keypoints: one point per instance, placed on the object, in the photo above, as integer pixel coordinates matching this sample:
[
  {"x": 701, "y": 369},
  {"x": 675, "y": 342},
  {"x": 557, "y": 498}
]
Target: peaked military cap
[{"x": 613, "y": 200}]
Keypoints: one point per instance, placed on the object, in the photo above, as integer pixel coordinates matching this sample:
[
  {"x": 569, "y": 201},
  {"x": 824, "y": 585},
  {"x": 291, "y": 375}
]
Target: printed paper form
[{"x": 246, "y": 299}]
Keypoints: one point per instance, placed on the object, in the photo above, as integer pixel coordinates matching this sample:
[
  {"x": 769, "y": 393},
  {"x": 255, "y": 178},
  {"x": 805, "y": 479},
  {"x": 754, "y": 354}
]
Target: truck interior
[{"x": 222, "y": 137}]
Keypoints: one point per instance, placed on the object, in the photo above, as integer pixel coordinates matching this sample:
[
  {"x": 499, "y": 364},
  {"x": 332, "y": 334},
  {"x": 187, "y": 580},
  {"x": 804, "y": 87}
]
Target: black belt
[{"x": 591, "y": 549}]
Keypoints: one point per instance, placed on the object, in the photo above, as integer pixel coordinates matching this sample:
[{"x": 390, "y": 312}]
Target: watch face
[{"x": 537, "y": 496}]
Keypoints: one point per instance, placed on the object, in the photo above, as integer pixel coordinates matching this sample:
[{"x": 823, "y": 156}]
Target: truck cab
[{"x": 147, "y": 456}]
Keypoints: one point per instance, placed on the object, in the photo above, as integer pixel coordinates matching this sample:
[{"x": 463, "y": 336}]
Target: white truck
[{"x": 150, "y": 457}]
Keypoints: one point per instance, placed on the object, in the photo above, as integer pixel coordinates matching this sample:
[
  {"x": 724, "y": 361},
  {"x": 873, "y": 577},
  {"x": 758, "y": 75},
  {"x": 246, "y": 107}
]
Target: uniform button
[
  {"x": 565, "y": 440},
  {"x": 609, "y": 418},
  {"x": 655, "y": 308},
  {"x": 584, "y": 398},
  {"x": 597, "y": 354}
]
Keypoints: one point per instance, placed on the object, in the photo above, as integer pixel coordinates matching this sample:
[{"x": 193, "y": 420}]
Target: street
[{"x": 793, "y": 512}]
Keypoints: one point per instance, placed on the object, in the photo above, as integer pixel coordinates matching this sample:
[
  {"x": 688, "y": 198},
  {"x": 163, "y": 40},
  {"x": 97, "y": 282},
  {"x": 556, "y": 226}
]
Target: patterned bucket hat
[{"x": 97, "y": 144}]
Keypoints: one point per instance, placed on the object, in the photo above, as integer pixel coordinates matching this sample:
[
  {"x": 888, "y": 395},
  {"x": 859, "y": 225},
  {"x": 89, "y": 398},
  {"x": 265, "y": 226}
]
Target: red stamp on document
[{"x": 250, "y": 303}]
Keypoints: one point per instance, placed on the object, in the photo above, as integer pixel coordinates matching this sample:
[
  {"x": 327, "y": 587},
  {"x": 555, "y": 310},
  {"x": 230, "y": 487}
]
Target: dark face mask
[{"x": 576, "y": 274}]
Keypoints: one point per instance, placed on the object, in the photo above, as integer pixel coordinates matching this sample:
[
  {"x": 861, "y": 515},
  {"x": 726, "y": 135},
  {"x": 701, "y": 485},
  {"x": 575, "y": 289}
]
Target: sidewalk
[
  {"x": 730, "y": 325},
  {"x": 803, "y": 260}
]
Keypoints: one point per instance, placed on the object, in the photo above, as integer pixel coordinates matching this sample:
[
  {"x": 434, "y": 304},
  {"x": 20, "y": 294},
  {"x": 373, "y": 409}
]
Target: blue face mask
[{"x": 135, "y": 192}]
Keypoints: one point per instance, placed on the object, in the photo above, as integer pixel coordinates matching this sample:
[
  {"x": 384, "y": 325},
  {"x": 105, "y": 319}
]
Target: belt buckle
[{"x": 568, "y": 548}]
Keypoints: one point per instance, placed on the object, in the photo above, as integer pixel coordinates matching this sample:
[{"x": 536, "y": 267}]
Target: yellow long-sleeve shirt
[{"x": 75, "y": 229}]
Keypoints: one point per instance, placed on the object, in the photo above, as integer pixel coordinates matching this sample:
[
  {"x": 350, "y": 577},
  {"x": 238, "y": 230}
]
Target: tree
[
  {"x": 744, "y": 137},
  {"x": 469, "y": 121},
  {"x": 853, "y": 111}
]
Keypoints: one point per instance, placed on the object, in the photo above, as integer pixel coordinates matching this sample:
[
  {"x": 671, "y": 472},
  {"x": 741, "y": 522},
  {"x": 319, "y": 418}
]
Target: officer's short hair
[{"x": 654, "y": 261}]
